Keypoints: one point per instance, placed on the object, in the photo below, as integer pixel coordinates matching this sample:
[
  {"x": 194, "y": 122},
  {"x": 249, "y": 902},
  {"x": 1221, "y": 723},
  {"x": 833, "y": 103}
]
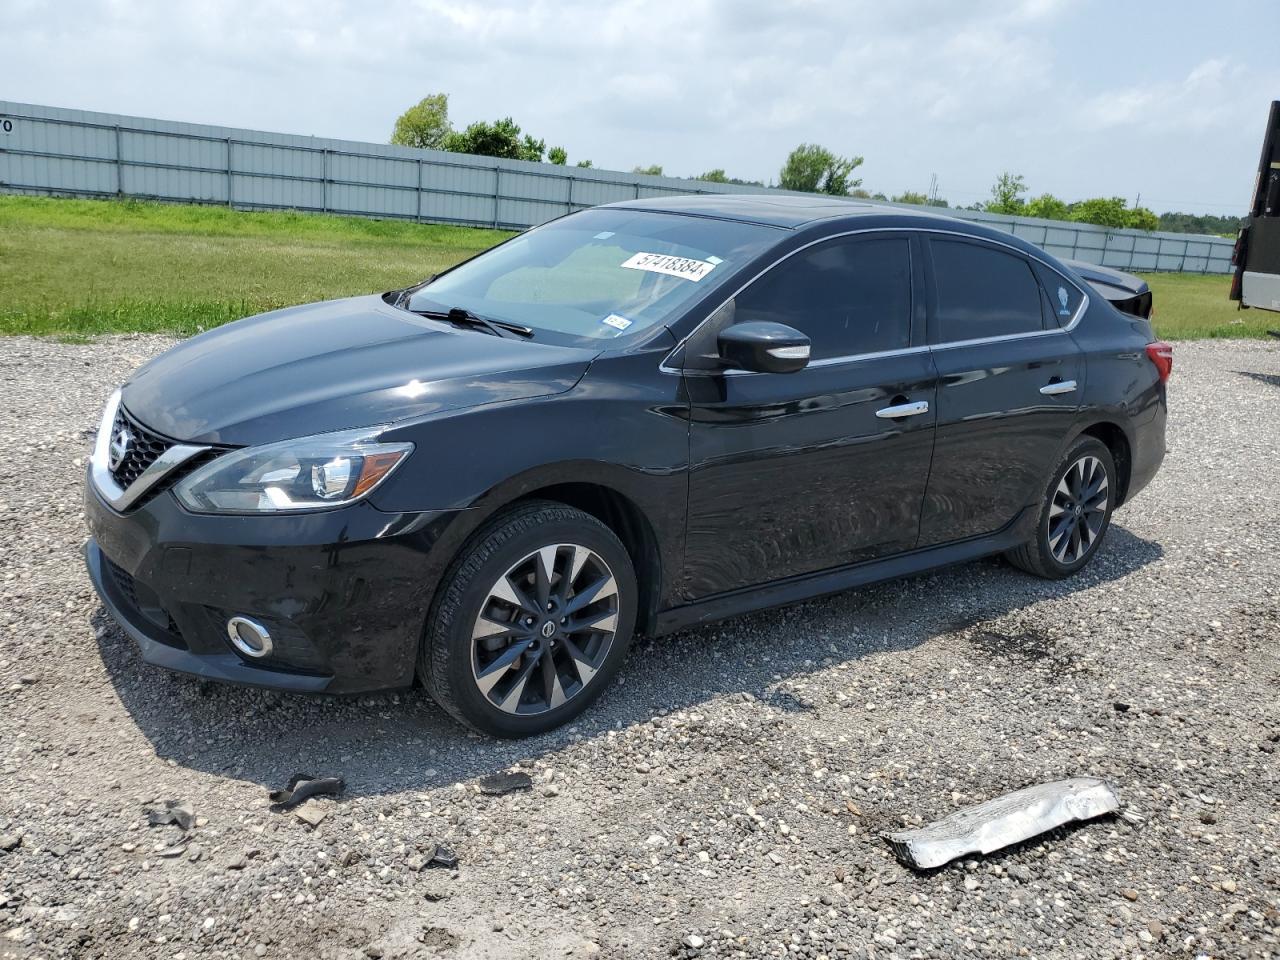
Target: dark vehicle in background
[
  {"x": 1256, "y": 282},
  {"x": 636, "y": 418}
]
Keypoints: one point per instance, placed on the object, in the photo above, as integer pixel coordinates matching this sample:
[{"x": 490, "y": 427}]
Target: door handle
[
  {"x": 904, "y": 410},
  {"x": 1061, "y": 386}
]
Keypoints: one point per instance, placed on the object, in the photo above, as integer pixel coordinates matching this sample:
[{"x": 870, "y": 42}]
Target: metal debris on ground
[
  {"x": 1004, "y": 821},
  {"x": 442, "y": 856},
  {"x": 181, "y": 813},
  {"x": 500, "y": 783},
  {"x": 303, "y": 786}
]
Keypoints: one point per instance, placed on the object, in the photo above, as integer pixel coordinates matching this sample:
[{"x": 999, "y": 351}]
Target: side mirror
[{"x": 762, "y": 347}]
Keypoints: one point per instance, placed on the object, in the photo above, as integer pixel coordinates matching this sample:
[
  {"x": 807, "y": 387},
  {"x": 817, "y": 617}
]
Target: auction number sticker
[
  {"x": 6, "y": 125},
  {"x": 683, "y": 267}
]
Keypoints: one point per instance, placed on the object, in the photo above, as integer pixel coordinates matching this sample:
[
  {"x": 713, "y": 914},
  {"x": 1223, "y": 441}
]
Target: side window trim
[{"x": 672, "y": 363}]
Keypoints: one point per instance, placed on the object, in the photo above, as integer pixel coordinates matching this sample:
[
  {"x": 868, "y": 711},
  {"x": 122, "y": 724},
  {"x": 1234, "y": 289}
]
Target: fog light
[{"x": 249, "y": 637}]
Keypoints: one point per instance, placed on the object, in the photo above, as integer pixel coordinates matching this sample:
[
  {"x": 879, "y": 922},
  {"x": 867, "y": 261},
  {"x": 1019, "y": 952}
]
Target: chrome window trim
[
  {"x": 122, "y": 498},
  {"x": 666, "y": 366}
]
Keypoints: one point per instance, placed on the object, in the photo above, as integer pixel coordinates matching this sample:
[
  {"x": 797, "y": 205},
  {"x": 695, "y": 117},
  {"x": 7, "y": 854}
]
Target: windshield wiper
[{"x": 465, "y": 318}]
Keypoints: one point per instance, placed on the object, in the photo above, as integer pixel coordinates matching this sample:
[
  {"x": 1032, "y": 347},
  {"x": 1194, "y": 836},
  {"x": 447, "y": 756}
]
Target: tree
[
  {"x": 719, "y": 176},
  {"x": 815, "y": 169},
  {"x": 583, "y": 163},
  {"x": 425, "y": 124},
  {"x": 502, "y": 138},
  {"x": 1200, "y": 223},
  {"x": 1140, "y": 218},
  {"x": 910, "y": 196},
  {"x": 1047, "y": 207},
  {"x": 1104, "y": 211},
  {"x": 653, "y": 170},
  {"x": 558, "y": 156},
  {"x": 1006, "y": 194}
]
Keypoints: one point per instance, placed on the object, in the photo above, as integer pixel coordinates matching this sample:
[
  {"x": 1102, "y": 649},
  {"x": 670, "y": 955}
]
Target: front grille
[
  {"x": 145, "y": 447},
  {"x": 141, "y": 600},
  {"x": 125, "y": 582}
]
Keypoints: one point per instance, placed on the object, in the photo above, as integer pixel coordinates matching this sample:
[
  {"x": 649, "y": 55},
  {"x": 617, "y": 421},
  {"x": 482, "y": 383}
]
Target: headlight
[{"x": 311, "y": 473}]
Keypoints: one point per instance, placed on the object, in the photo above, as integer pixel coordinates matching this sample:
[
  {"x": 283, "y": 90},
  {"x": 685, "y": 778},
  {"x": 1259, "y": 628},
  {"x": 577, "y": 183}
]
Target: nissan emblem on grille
[{"x": 119, "y": 449}]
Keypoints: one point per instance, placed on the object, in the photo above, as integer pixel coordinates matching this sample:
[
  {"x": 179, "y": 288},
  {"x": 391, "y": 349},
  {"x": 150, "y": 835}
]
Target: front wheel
[
  {"x": 533, "y": 620},
  {"x": 1074, "y": 515}
]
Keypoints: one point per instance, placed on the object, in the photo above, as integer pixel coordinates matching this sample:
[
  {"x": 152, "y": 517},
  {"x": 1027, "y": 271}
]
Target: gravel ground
[{"x": 725, "y": 798}]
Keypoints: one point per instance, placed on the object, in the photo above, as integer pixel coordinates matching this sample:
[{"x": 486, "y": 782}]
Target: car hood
[{"x": 338, "y": 365}]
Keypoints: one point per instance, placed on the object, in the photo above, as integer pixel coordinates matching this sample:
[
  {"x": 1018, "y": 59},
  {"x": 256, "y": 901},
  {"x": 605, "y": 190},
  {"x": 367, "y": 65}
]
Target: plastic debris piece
[
  {"x": 442, "y": 856},
  {"x": 181, "y": 813},
  {"x": 311, "y": 814},
  {"x": 1004, "y": 821},
  {"x": 500, "y": 783},
  {"x": 303, "y": 786}
]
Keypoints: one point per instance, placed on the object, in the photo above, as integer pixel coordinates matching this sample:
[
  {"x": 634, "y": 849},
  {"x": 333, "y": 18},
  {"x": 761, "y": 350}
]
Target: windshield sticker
[
  {"x": 613, "y": 320},
  {"x": 603, "y": 235},
  {"x": 681, "y": 267},
  {"x": 714, "y": 260}
]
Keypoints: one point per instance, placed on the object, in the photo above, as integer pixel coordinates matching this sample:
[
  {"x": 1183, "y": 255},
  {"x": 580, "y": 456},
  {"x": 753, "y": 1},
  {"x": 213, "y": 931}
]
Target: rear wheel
[
  {"x": 1075, "y": 514},
  {"x": 532, "y": 622}
]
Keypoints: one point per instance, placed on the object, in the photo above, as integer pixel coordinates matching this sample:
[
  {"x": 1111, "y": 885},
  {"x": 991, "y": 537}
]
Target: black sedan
[{"x": 630, "y": 420}]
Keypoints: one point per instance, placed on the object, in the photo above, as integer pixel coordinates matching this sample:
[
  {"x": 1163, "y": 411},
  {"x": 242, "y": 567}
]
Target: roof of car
[{"x": 776, "y": 210}]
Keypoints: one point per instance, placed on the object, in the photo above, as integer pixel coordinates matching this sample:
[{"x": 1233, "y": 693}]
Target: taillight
[{"x": 1161, "y": 354}]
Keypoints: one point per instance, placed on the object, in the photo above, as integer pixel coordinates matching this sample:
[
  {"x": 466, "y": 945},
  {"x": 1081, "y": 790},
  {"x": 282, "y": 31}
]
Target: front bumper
[{"x": 345, "y": 593}]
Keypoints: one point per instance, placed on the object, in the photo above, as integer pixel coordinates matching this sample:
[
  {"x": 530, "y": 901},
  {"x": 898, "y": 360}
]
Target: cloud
[{"x": 916, "y": 86}]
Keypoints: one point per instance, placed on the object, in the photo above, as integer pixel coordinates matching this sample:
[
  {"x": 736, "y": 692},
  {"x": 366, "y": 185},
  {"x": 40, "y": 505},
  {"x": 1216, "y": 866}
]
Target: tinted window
[
  {"x": 1064, "y": 297},
  {"x": 983, "y": 292},
  {"x": 848, "y": 296}
]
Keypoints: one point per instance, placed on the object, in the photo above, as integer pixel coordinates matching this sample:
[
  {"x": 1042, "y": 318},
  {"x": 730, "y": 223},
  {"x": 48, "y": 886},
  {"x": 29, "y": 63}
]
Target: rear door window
[
  {"x": 983, "y": 292},
  {"x": 1064, "y": 296},
  {"x": 849, "y": 296}
]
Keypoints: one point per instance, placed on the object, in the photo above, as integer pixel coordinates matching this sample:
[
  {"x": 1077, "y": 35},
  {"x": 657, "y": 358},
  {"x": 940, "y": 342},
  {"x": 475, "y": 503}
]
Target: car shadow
[
  {"x": 395, "y": 742},
  {"x": 1271, "y": 379}
]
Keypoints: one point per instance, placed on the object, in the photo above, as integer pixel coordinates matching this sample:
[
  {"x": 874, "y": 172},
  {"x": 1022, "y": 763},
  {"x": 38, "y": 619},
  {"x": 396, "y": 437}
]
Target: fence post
[
  {"x": 497, "y": 193},
  {"x": 418, "y": 207},
  {"x": 229, "y": 203},
  {"x": 119, "y": 165},
  {"x": 569, "y": 203},
  {"x": 324, "y": 180}
]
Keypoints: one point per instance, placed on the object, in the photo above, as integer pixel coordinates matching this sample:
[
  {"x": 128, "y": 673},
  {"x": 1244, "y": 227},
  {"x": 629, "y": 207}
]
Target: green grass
[
  {"x": 1194, "y": 307},
  {"x": 78, "y": 268}
]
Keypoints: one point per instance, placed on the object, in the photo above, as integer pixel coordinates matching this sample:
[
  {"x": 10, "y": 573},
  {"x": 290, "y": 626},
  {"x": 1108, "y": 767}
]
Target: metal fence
[{"x": 58, "y": 152}]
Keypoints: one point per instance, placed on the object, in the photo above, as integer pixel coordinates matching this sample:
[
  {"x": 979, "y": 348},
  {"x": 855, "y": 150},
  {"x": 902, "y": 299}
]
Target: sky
[{"x": 1165, "y": 101}]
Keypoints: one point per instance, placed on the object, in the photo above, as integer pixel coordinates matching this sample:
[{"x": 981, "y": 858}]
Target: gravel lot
[{"x": 725, "y": 798}]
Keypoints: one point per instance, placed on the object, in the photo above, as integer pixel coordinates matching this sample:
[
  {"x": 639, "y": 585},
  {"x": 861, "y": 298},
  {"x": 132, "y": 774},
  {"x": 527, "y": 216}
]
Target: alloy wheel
[
  {"x": 545, "y": 629},
  {"x": 1078, "y": 510}
]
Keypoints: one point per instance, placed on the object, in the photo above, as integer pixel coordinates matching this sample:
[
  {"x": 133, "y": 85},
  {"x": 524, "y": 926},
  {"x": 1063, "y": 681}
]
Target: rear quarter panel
[{"x": 1122, "y": 386}]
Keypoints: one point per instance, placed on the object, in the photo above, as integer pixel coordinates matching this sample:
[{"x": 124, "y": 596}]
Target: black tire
[
  {"x": 1047, "y": 555},
  {"x": 452, "y": 664}
]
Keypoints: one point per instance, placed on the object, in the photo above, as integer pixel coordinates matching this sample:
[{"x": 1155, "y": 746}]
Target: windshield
[{"x": 599, "y": 274}]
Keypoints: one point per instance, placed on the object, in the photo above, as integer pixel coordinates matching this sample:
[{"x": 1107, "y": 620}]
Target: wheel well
[
  {"x": 629, "y": 524},
  {"x": 1118, "y": 444}
]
